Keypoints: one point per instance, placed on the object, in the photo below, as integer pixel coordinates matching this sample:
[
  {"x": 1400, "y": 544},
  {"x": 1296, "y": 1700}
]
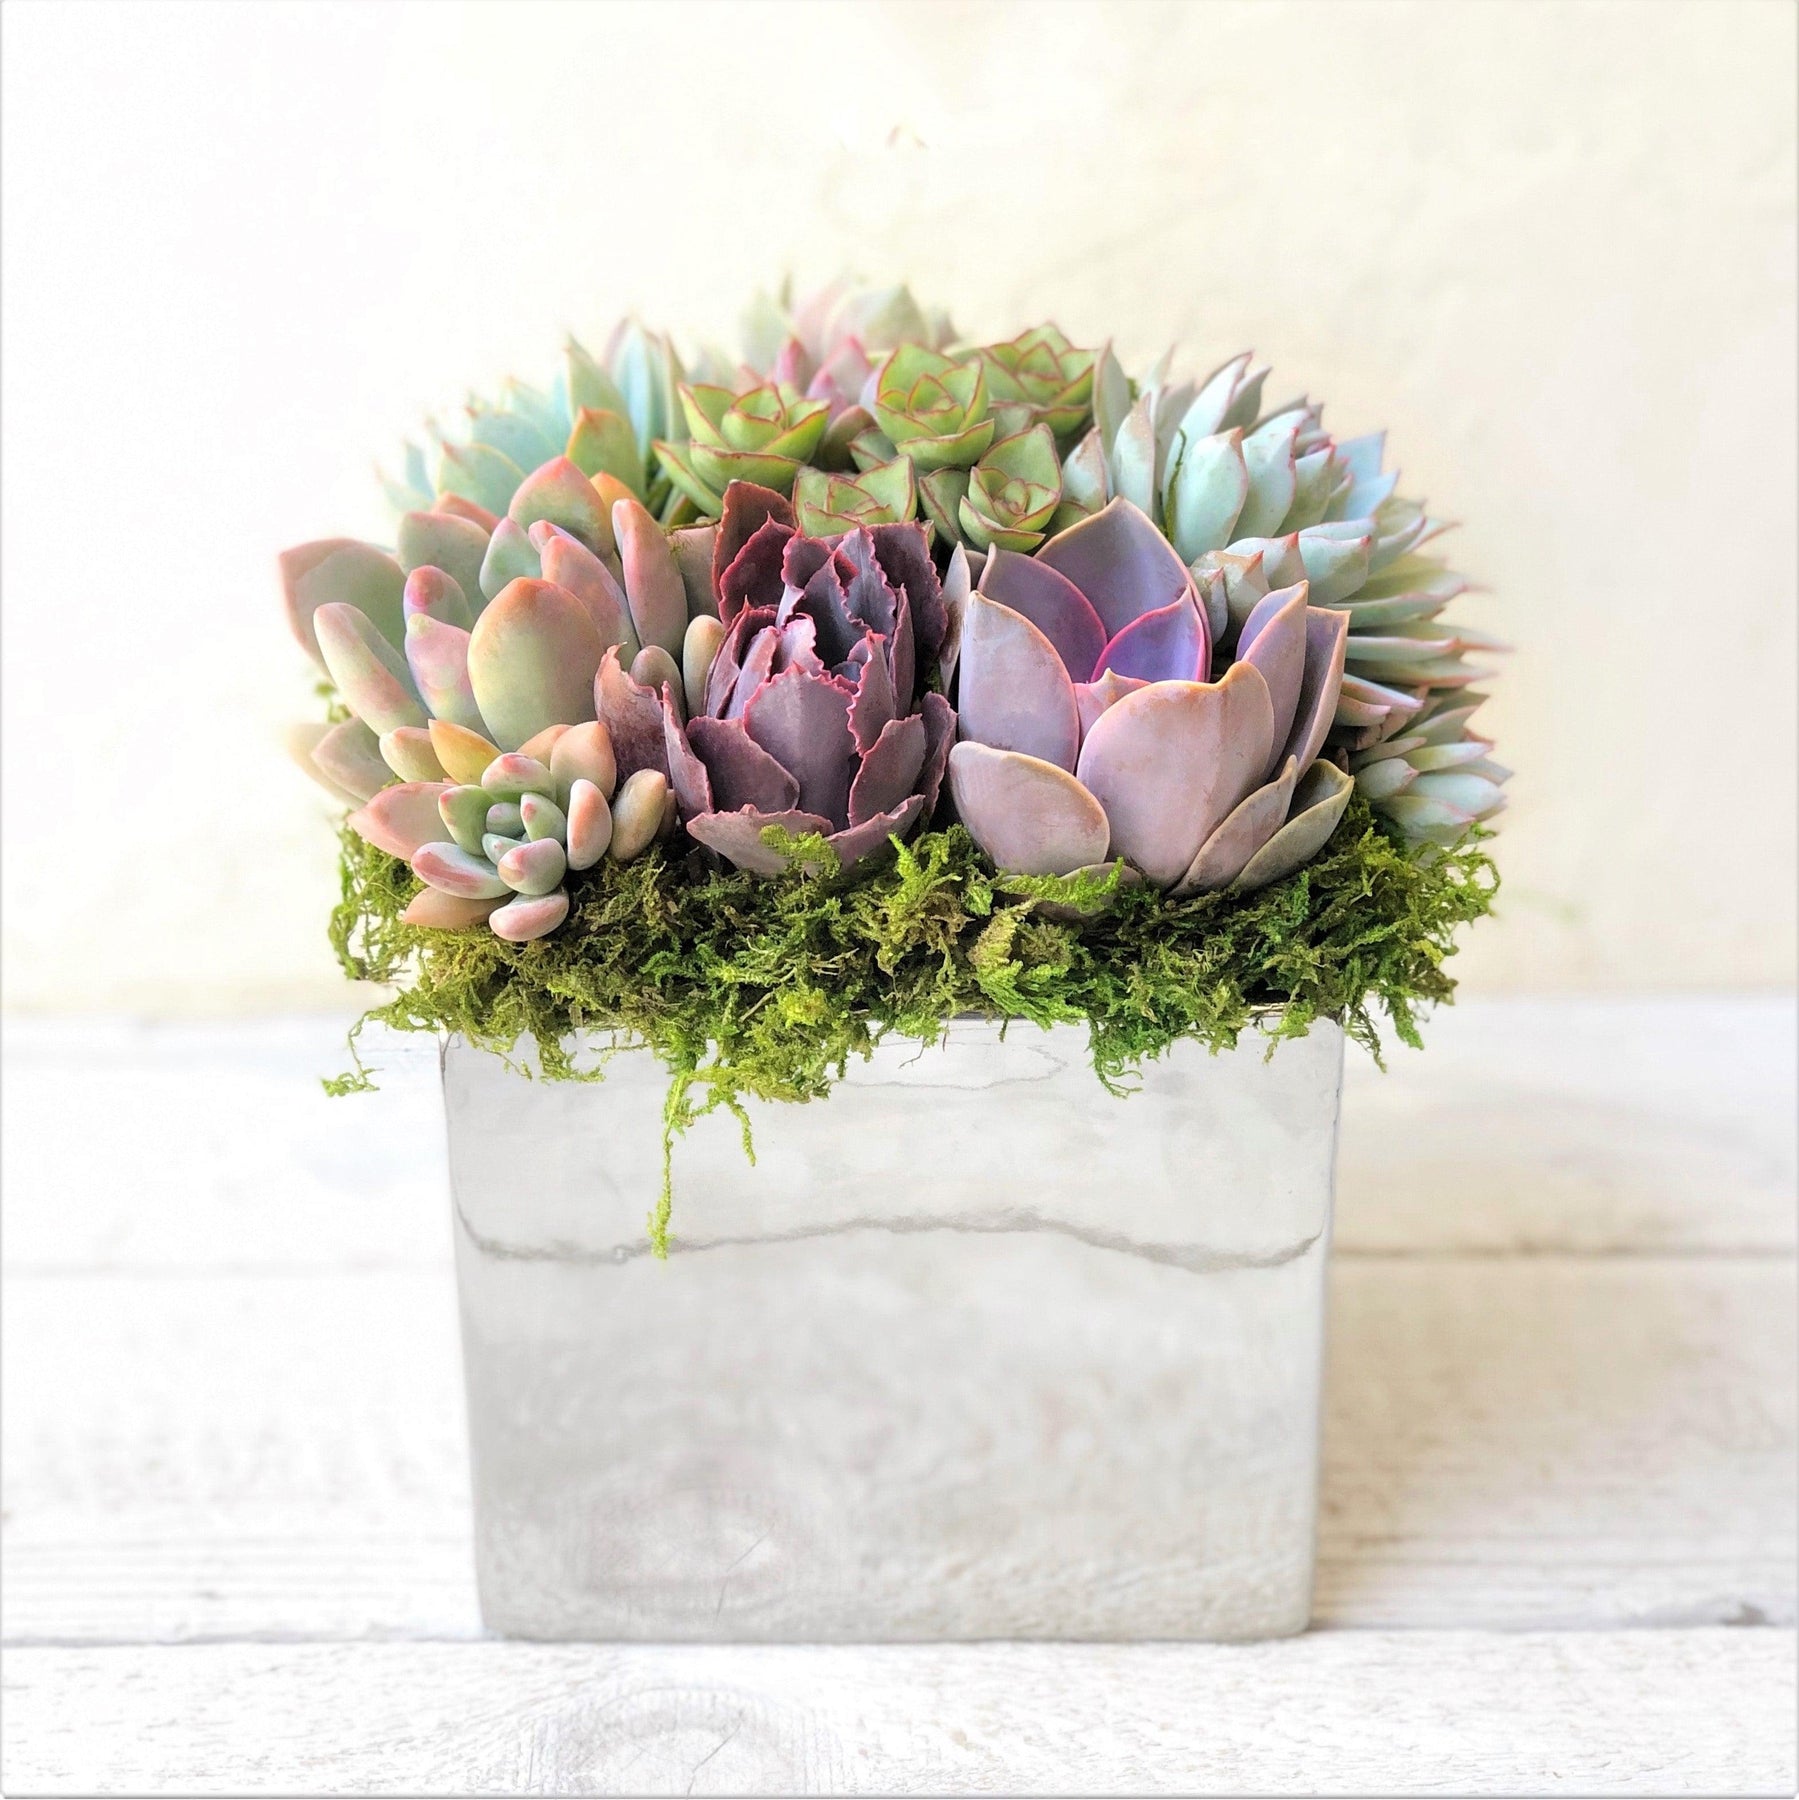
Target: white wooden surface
[{"x": 1557, "y": 1551}]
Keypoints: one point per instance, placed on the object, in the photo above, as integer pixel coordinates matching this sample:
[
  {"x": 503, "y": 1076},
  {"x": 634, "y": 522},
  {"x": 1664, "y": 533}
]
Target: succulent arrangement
[{"x": 811, "y": 615}]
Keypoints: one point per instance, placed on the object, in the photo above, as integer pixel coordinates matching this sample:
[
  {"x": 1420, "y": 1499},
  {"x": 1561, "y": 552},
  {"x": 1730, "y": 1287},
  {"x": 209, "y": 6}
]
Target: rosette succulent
[
  {"x": 1090, "y": 727},
  {"x": 602, "y": 413},
  {"x": 800, "y": 706},
  {"x": 1255, "y": 500},
  {"x": 468, "y": 663},
  {"x": 764, "y": 435}
]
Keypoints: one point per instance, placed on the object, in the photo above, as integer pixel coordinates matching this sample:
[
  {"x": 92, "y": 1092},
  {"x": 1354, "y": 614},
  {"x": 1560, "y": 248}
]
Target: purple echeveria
[
  {"x": 1090, "y": 728},
  {"x": 805, "y": 711}
]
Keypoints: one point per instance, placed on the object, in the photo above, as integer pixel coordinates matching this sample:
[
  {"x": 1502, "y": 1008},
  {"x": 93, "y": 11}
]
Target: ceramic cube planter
[{"x": 975, "y": 1350}]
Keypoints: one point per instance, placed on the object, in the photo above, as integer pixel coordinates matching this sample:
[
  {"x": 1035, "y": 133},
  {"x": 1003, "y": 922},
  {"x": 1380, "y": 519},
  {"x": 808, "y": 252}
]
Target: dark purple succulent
[{"x": 804, "y": 712}]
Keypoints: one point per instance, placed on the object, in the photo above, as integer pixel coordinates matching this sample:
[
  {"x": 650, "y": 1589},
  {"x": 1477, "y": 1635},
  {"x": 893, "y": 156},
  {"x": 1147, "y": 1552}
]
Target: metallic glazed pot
[{"x": 975, "y": 1349}]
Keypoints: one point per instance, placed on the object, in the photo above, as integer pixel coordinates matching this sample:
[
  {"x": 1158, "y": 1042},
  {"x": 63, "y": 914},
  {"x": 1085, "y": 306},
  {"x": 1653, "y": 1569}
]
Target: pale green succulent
[
  {"x": 764, "y": 435},
  {"x": 1008, "y": 500}
]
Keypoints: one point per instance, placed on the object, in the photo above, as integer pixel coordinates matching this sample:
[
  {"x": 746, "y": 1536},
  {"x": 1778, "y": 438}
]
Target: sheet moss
[{"x": 747, "y": 986}]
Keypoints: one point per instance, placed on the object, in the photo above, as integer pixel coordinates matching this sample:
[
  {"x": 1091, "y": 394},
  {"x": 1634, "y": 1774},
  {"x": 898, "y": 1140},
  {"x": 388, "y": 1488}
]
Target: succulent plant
[
  {"x": 763, "y": 435},
  {"x": 469, "y": 663},
  {"x": 1089, "y": 728},
  {"x": 602, "y": 413},
  {"x": 1008, "y": 499},
  {"x": 799, "y": 705},
  {"x": 1255, "y": 500},
  {"x": 1039, "y": 378}
]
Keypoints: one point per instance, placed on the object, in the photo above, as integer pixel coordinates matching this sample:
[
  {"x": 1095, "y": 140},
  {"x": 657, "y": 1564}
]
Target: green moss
[{"x": 754, "y": 987}]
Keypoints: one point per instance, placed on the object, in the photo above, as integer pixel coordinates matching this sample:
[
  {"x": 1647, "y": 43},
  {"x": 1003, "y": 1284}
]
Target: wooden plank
[
  {"x": 1597, "y": 1126},
  {"x": 1509, "y": 1441},
  {"x": 1688, "y": 1712},
  {"x": 1614, "y": 1125}
]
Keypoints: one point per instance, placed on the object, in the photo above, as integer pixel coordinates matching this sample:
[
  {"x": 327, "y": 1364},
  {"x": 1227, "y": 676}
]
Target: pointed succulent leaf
[
  {"x": 464, "y": 754},
  {"x": 653, "y": 584},
  {"x": 525, "y": 440},
  {"x": 527, "y": 917},
  {"x": 561, "y": 494},
  {"x": 1132, "y": 464},
  {"x": 510, "y": 556},
  {"x": 941, "y": 494},
  {"x": 532, "y": 659},
  {"x": 1274, "y": 639},
  {"x": 676, "y": 463},
  {"x": 1031, "y": 817},
  {"x": 479, "y": 473},
  {"x": 464, "y": 813},
  {"x": 1207, "y": 494},
  {"x": 1250, "y": 824},
  {"x": 1382, "y": 780},
  {"x": 400, "y": 819},
  {"x": 1091, "y": 698},
  {"x": 604, "y": 443},
  {"x": 368, "y": 671},
  {"x": 436, "y": 540},
  {"x": 827, "y": 505},
  {"x": 1169, "y": 644},
  {"x": 1039, "y": 593},
  {"x": 1170, "y": 762},
  {"x": 1014, "y": 691},
  {"x": 1120, "y": 562},
  {"x": 345, "y": 572},
  {"x": 1335, "y": 566},
  {"x": 1318, "y": 803},
  {"x": 1268, "y": 459}
]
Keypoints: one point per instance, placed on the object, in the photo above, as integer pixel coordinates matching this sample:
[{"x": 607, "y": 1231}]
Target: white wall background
[{"x": 1550, "y": 245}]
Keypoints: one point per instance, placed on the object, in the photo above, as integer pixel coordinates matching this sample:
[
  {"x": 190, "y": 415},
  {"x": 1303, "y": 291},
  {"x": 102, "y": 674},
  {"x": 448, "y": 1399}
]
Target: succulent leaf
[{"x": 532, "y": 659}]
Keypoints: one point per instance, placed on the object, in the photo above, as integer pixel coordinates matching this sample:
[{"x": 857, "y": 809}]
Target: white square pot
[{"x": 975, "y": 1350}]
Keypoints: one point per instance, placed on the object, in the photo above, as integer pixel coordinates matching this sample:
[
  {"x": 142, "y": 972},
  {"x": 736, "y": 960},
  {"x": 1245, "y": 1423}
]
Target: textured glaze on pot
[{"x": 975, "y": 1350}]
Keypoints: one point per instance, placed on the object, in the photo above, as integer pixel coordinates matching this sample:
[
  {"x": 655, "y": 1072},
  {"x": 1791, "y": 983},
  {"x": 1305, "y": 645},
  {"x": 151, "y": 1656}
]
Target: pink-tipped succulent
[
  {"x": 800, "y": 706},
  {"x": 468, "y": 663},
  {"x": 1090, "y": 728}
]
